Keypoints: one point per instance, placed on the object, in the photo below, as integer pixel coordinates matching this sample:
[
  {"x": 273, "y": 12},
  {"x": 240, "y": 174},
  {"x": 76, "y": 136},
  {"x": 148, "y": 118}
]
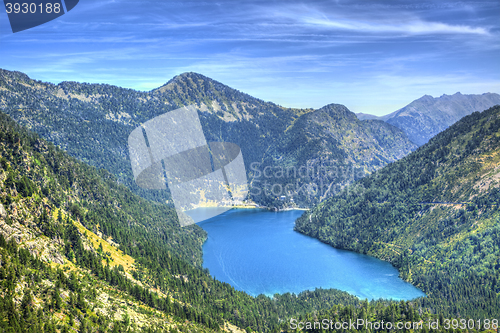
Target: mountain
[
  {"x": 92, "y": 122},
  {"x": 80, "y": 252},
  {"x": 425, "y": 117},
  {"x": 433, "y": 214},
  {"x": 330, "y": 148},
  {"x": 366, "y": 116}
]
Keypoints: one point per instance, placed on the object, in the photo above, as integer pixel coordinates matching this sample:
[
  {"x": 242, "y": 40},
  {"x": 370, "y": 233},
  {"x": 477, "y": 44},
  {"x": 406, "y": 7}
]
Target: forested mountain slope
[
  {"x": 76, "y": 230},
  {"x": 328, "y": 149},
  {"x": 434, "y": 214},
  {"x": 92, "y": 122},
  {"x": 81, "y": 252}
]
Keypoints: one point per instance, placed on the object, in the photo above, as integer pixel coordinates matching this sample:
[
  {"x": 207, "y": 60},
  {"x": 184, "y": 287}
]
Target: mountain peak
[
  {"x": 339, "y": 110},
  {"x": 336, "y": 107},
  {"x": 427, "y": 116},
  {"x": 457, "y": 94},
  {"x": 16, "y": 75},
  {"x": 183, "y": 78},
  {"x": 195, "y": 84},
  {"x": 209, "y": 94},
  {"x": 189, "y": 75},
  {"x": 426, "y": 98}
]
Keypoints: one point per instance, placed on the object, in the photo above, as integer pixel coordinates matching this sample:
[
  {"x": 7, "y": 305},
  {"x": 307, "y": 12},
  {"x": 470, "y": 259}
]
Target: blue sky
[{"x": 372, "y": 56}]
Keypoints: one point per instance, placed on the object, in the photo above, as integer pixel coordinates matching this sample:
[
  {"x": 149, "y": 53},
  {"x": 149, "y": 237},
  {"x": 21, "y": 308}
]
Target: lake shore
[
  {"x": 251, "y": 206},
  {"x": 259, "y": 252}
]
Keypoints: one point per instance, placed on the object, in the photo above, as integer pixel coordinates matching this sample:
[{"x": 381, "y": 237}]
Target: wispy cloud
[
  {"x": 415, "y": 27},
  {"x": 372, "y": 21},
  {"x": 370, "y": 55}
]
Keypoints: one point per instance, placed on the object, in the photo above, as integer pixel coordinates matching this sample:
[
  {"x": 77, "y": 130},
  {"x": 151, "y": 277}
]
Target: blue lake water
[{"x": 258, "y": 252}]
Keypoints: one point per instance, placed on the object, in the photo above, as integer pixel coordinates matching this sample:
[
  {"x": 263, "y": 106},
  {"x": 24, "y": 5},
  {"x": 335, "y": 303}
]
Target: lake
[{"x": 258, "y": 252}]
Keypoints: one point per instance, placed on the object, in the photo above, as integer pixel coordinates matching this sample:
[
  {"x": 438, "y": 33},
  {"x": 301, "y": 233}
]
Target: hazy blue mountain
[
  {"x": 425, "y": 117},
  {"x": 366, "y": 116}
]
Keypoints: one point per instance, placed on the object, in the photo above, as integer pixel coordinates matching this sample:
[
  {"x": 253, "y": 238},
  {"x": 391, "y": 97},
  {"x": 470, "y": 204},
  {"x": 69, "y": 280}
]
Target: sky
[{"x": 372, "y": 56}]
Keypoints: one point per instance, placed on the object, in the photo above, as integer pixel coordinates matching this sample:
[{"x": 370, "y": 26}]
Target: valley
[
  {"x": 431, "y": 214},
  {"x": 85, "y": 249}
]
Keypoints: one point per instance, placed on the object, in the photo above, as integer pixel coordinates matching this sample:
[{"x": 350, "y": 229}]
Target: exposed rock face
[
  {"x": 3, "y": 212},
  {"x": 40, "y": 246}
]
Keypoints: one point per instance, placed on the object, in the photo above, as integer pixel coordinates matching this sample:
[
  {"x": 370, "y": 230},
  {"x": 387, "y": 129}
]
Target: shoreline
[
  {"x": 254, "y": 207},
  {"x": 250, "y": 206}
]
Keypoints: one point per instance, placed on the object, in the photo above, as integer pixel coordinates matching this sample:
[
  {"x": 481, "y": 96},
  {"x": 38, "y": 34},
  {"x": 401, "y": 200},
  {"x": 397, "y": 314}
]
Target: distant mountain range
[
  {"x": 425, "y": 117},
  {"x": 92, "y": 122},
  {"x": 366, "y": 116},
  {"x": 331, "y": 146}
]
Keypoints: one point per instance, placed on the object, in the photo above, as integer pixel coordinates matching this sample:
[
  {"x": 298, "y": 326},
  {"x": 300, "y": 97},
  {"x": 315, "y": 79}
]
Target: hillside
[
  {"x": 433, "y": 214},
  {"x": 92, "y": 123},
  {"x": 68, "y": 235},
  {"x": 81, "y": 252},
  {"x": 330, "y": 148},
  {"x": 427, "y": 116}
]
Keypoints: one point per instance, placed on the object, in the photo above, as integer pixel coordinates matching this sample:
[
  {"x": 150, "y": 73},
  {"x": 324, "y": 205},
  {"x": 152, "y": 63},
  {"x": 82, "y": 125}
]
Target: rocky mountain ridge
[
  {"x": 427, "y": 116},
  {"x": 92, "y": 122}
]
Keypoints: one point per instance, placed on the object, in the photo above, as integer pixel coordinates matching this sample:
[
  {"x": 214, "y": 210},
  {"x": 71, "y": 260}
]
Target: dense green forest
[
  {"x": 82, "y": 252},
  {"x": 92, "y": 123},
  {"x": 54, "y": 279},
  {"x": 46, "y": 194},
  {"x": 433, "y": 214}
]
